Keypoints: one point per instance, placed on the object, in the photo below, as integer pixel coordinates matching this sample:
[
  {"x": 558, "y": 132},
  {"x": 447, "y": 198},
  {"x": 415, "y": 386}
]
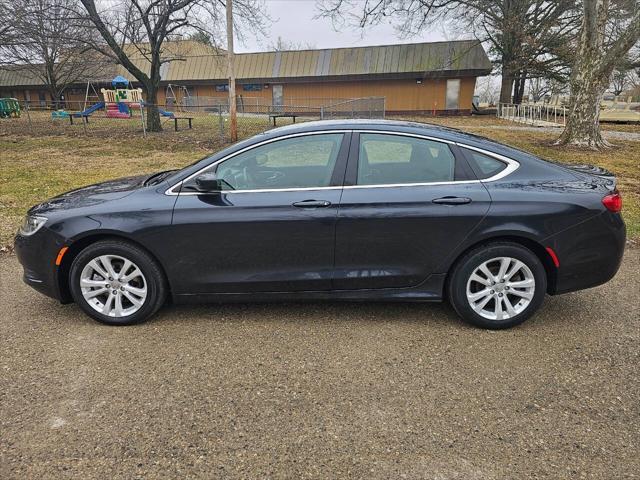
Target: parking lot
[{"x": 321, "y": 390}]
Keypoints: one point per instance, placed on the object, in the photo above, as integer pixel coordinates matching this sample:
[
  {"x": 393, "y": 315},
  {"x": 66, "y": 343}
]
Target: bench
[
  {"x": 84, "y": 117},
  {"x": 175, "y": 120},
  {"x": 282, "y": 115}
]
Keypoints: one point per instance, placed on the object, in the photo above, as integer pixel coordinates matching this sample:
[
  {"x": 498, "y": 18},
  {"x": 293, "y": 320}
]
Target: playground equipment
[
  {"x": 178, "y": 96},
  {"x": 122, "y": 99},
  {"x": 9, "y": 107}
]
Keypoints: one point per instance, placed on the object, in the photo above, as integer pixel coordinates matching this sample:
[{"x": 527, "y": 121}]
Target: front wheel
[
  {"x": 117, "y": 283},
  {"x": 498, "y": 285}
]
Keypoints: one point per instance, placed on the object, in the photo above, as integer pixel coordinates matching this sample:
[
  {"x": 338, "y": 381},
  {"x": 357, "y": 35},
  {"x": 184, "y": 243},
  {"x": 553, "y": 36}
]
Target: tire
[
  {"x": 468, "y": 283},
  {"x": 141, "y": 293}
]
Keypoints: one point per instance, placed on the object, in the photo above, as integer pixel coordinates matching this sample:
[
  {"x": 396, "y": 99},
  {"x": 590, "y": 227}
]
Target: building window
[
  {"x": 222, "y": 88},
  {"x": 252, "y": 87}
]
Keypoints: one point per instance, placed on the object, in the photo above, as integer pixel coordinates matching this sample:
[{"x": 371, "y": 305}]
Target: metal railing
[{"x": 532, "y": 114}]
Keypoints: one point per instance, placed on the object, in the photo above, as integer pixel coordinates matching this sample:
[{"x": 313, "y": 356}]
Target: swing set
[{"x": 177, "y": 96}]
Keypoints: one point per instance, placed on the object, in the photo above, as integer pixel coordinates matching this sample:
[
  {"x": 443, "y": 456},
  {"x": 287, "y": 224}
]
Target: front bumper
[
  {"x": 590, "y": 253},
  {"x": 37, "y": 255}
]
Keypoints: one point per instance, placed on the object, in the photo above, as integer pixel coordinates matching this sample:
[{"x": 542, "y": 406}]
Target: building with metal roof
[{"x": 432, "y": 77}]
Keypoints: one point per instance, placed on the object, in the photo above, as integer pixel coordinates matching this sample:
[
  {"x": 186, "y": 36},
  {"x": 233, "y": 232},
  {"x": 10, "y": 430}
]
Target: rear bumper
[
  {"x": 590, "y": 253},
  {"x": 37, "y": 255}
]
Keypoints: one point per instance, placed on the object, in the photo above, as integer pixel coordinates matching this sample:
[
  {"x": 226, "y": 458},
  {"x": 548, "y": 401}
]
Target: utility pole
[{"x": 233, "y": 119}]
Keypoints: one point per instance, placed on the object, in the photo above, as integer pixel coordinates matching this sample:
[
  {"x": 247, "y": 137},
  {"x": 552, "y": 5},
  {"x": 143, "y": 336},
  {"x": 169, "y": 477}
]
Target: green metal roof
[{"x": 453, "y": 58}]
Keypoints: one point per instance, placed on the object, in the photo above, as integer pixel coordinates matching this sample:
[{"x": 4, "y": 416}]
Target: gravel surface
[
  {"x": 609, "y": 134},
  {"x": 321, "y": 390}
]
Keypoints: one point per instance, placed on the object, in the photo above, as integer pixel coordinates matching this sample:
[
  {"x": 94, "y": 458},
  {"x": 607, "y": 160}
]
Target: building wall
[{"x": 401, "y": 96}]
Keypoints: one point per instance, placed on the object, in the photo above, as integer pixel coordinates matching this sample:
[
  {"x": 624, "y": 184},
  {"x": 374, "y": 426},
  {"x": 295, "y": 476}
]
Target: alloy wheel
[
  {"x": 113, "y": 285},
  {"x": 501, "y": 288}
]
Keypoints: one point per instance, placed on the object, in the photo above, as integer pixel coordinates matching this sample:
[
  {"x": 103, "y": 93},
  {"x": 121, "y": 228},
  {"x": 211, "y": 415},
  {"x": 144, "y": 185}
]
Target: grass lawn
[{"x": 34, "y": 168}]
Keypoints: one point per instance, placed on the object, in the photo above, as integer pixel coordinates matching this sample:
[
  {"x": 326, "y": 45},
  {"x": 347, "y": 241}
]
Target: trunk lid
[{"x": 594, "y": 175}]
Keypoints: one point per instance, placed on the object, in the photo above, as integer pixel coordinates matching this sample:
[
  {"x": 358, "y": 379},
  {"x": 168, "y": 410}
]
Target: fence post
[
  {"x": 26, "y": 107},
  {"x": 221, "y": 123},
  {"x": 144, "y": 127}
]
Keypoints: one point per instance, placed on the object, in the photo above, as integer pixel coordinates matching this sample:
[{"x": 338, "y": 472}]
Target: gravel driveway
[
  {"x": 322, "y": 390},
  {"x": 608, "y": 134}
]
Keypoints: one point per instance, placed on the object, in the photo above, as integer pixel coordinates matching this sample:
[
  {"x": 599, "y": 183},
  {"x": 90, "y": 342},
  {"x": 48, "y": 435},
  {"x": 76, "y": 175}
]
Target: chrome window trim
[
  {"x": 512, "y": 166},
  {"x": 406, "y": 134},
  {"x": 170, "y": 191}
]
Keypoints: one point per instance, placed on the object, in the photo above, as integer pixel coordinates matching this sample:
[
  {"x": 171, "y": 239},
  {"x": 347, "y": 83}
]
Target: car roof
[
  {"x": 428, "y": 129},
  {"x": 401, "y": 126}
]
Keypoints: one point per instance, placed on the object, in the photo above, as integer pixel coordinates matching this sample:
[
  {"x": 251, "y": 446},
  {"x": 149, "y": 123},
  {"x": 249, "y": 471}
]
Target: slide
[
  {"x": 89, "y": 110},
  {"x": 165, "y": 113}
]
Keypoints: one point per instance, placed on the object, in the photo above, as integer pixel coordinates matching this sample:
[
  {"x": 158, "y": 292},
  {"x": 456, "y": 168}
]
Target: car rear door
[
  {"x": 274, "y": 231},
  {"x": 408, "y": 202}
]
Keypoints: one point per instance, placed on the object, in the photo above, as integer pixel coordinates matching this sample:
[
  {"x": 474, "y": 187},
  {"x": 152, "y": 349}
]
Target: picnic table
[
  {"x": 282, "y": 115},
  {"x": 188, "y": 119}
]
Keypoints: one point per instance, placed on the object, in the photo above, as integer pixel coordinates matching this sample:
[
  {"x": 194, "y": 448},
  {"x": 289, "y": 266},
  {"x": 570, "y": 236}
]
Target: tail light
[{"x": 613, "y": 202}]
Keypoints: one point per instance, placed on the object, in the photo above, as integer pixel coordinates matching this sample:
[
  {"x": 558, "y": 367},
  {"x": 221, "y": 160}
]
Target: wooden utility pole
[{"x": 233, "y": 118}]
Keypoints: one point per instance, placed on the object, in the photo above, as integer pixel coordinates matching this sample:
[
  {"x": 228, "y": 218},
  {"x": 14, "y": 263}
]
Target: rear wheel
[
  {"x": 498, "y": 285},
  {"x": 117, "y": 283}
]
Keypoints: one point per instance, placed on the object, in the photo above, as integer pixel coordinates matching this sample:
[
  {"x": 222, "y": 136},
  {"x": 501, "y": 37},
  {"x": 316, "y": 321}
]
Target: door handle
[
  {"x": 452, "y": 200},
  {"x": 312, "y": 204}
]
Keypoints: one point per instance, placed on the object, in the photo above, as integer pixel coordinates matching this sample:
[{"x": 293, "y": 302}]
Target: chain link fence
[{"x": 206, "y": 119}]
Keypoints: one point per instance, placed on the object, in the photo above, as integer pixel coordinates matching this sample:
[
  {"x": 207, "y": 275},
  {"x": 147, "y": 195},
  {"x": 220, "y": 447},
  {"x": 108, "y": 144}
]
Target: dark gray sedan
[{"x": 351, "y": 210}]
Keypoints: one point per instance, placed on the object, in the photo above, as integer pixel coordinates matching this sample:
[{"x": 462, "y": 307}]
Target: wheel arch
[
  {"x": 80, "y": 244},
  {"x": 537, "y": 248}
]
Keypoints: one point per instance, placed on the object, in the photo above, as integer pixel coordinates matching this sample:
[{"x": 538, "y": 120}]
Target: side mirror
[{"x": 208, "y": 182}]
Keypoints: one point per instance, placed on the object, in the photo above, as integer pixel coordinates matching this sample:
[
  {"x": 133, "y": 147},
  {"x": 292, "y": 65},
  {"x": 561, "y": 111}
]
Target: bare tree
[
  {"x": 622, "y": 76},
  {"x": 609, "y": 30},
  {"x": 526, "y": 38},
  {"x": 488, "y": 89},
  {"x": 6, "y": 26},
  {"x": 620, "y": 80},
  {"x": 281, "y": 45},
  {"x": 139, "y": 29},
  {"x": 41, "y": 39},
  {"x": 538, "y": 88}
]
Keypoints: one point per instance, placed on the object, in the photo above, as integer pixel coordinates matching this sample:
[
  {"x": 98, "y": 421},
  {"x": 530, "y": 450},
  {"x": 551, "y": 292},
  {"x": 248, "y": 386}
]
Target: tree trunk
[
  {"x": 519, "y": 88},
  {"x": 506, "y": 87},
  {"x": 153, "y": 115},
  {"x": 588, "y": 81},
  {"x": 582, "y": 127}
]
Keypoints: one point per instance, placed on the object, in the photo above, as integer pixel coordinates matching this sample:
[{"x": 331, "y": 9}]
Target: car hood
[{"x": 92, "y": 195}]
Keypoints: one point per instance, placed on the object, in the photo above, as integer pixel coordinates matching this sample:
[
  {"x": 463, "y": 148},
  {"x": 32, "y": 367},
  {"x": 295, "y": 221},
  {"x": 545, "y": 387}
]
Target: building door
[
  {"x": 453, "y": 94},
  {"x": 277, "y": 97}
]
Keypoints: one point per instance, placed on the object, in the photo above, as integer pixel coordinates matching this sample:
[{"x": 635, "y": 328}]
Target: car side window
[
  {"x": 386, "y": 159},
  {"x": 484, "y": 165},
  {"x": 299, "y": 162}
]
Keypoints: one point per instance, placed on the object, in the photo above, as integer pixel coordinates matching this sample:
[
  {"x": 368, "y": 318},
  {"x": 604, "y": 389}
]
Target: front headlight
[{"x": 32, "y": 224}]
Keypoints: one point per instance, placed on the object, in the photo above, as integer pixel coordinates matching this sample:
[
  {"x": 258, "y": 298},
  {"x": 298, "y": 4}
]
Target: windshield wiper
[{"x": 156, "y": 178}]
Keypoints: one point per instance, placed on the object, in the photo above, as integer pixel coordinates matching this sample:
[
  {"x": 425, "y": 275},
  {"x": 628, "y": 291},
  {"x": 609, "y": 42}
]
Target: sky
[{"x": 293, "y": 20}]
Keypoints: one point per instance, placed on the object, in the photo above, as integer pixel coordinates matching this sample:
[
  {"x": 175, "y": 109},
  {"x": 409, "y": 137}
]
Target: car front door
[
  {"x": 407, "y": 203},
  {"x": 271, "y": 228}
]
